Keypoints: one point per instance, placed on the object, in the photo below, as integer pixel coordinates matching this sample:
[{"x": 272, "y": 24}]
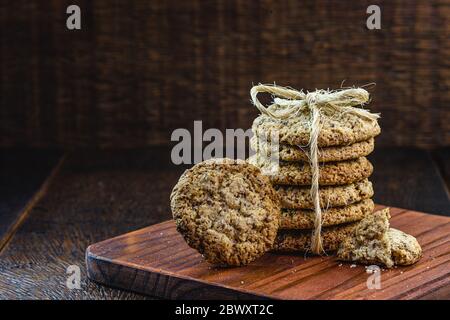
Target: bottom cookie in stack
[{"x": 296, "y": 226}]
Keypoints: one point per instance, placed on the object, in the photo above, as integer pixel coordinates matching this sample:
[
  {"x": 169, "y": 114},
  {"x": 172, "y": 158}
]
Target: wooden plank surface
[
  {"x": 101, "y": 194},
  {"x": 157, "y": 261},
  {"x": 95, "y": 196},
  {"x": 22, "y": 177}
]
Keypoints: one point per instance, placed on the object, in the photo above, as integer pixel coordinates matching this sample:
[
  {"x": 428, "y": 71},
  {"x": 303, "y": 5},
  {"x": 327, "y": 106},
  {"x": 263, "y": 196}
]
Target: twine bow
[{"x": 318, "y": 103}]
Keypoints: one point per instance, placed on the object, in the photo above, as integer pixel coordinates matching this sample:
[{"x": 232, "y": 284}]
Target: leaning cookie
[
  {"x": 298, "y": 197},
  {"x": 344, "y": 129},
  {"x": 227, "y": 210},
  {"x": 288, "y": 152},
  {"x": 300, "y": 240},
  {"x": 304, "y": 219},
  {"x": 298, "y": 173}
]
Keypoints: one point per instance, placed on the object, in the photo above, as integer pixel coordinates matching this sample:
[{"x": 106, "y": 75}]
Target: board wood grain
[{"x": 156, "y": 261}]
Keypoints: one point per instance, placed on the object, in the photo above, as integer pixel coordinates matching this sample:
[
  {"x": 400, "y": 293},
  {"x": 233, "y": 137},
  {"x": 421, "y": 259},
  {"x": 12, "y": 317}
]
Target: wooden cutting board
[{"x": 156, "y": 261}]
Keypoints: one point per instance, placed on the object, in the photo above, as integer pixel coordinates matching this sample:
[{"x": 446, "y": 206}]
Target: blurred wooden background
[{"x": 139, "y": 69}]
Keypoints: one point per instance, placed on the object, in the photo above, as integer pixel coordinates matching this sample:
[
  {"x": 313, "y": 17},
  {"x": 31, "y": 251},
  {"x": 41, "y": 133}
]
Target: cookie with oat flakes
[
  {"x": 227, "y": 210},
  {"x": 304, "y": 219},
  {"x": 299, "y": 173},
  {"x": 299, "y": 197},
  {"x": 406, "y": 250},
  {"x": 339, "y": 130},
  {"x": 373, "y": 241},
  {"x": 287, "y": 152},
  {"x": 369, "y": 242},
  {"x": 344, "y": 129},
  {"x": 300, "y": 240}
]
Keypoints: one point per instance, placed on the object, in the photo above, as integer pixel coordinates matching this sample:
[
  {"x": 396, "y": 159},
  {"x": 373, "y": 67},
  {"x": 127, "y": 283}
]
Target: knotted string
[{"x": 318, "y": 103}]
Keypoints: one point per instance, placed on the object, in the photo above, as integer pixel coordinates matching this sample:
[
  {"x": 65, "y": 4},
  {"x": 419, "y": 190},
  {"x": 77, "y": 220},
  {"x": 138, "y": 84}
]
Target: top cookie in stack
[{"x": 344, "y": 189}]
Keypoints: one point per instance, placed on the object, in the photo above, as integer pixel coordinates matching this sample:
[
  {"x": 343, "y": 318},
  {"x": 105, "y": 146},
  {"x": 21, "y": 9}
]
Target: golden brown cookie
[
  {"x": 288, "y": 152},
  {"x": 304, "y": 219},
  {"x": 369, "y": 243},
  {"x": 373, "y": 242},
  {"x": 227, "y": 210},
  {"x": 298, "y": 173},
  {"x": 300, "y": 240},
  {"x": 298, "y": 197},
  {"x": 405, "y": 248},
  {"x": 340, "y": 130}
]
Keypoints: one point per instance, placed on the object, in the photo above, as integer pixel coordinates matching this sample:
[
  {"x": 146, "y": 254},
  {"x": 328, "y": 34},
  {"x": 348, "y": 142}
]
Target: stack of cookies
[{"x": 344, "y": 189}]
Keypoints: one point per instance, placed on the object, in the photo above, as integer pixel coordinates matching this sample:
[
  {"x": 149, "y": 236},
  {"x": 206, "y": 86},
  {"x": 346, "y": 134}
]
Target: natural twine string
[{"x": 319, "y": 104}]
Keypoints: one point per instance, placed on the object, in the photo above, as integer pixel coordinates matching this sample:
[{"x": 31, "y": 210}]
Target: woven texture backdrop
[{"x": 139, "y": 69}]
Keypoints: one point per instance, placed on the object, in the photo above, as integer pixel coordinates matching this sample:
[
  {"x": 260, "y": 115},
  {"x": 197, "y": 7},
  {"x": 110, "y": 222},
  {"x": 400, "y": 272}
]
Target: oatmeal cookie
[
  {"x": 298, "y": 173},
  {"x": 298, "y": 197},
  {"x": 304, "y": 219},
  {"x": 227, "y": 210},
  {"x": 405, "y": 248},
  {"x": 369, "y": 242},
  {"x": 300, "y": 240},
  {"x": 373, "y": 242},
  {"x": 288, "y": 152},
  {"x": 340, "y": 130}
]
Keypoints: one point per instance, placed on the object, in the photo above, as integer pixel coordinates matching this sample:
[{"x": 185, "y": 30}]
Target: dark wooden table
[{"x": 54, "y": 204}]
